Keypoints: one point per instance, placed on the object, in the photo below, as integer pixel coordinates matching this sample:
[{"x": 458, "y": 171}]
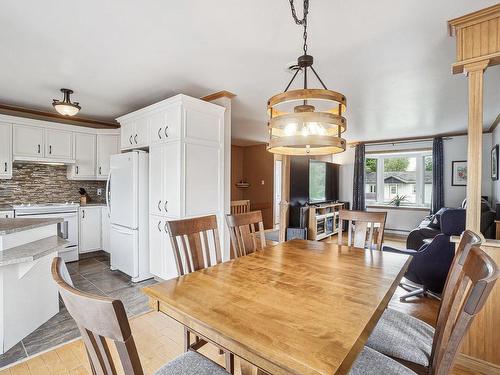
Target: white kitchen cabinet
[
  {"x": 5, "y": 150},
  {"x": 7, "y": 214},
  {"x": 161, "y": 256},
  {"x": 58, "y": 144},
  {"x": 134, "y": 133},
  {"x": 28, "y": 141},
  {"x": 89, "y": 229},
  {"x": 165, "y": 125},
  {"x": 85, "y": 157},
  {"x": 107, "y": 145},
  {"x": 105, "y": 228}
]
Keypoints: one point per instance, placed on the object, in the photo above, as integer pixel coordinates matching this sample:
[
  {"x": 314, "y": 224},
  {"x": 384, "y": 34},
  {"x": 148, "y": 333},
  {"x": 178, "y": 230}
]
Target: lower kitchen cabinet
[
  {"x": 7, "y": 214},
  {"x": 106, "y": 228},
  {"x": 89, "y": 228},
  {"x": 161, "y": 256}
]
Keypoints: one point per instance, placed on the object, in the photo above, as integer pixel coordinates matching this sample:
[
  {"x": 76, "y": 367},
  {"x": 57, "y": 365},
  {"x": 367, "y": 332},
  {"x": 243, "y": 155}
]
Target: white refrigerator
[{"x": 127, "y": 200}]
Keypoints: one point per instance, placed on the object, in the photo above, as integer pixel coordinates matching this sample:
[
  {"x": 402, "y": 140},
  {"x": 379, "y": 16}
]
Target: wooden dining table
[{"x": 299, "y": 307}]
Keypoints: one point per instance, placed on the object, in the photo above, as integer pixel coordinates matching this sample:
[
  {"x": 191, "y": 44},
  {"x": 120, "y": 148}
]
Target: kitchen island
[{"x": 28, "y": 295}]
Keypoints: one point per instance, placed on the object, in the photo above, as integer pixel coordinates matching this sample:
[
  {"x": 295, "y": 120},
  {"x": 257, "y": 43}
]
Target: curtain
[
  {"x": 437, "y": 175},
  {"x": 358, "y": 194}
]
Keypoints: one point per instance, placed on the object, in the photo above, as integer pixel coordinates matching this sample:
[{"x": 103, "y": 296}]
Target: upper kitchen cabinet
[
  {"x": 134, "y": 133},
  {"x": 165, "y": 124},
  {"x": 28, "y": 142},
  {"x": 107, "y": 145},
  {"x": 58, "y": 144},
  {"x": 85, "y": 157},
  {"x": 5, "y": 150}
]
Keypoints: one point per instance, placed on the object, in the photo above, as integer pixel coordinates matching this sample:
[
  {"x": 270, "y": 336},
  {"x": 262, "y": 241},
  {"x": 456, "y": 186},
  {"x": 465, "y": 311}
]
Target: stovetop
[{"x": 46, "y": 207}]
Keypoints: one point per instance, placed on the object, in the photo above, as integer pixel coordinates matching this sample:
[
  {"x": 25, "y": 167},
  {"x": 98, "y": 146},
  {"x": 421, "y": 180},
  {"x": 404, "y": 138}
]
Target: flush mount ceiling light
[
  {"x": 66, "y": 107},
  {"x": 306, "y": 121}
]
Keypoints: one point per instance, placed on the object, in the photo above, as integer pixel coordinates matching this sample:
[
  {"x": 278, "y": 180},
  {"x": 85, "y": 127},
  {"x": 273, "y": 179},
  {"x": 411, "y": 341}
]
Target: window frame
[{"x": 419, "y": 156}]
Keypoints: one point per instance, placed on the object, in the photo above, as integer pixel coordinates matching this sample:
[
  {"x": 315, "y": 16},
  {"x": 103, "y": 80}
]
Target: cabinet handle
[
  {"x": 166, "y": 128},
  {"x": 159, "y": 208},
  {"x": 77, "y": 169},
  {"x": 159, "y": 227},
  {"x": 5, "y": 167},
  {"x": 130, "y": 139},
  {"x": 100, "y": 170},
  {"x": 83, "y": 214},
  {"x": 135, "y": 139},
  {"x": 50, "y": 149},
  {"x": 38, "y": 148},
  {"x": 159, "y": 133},
  {"x": 165, "y": 206},
  {"x": 165, "y": 227}
]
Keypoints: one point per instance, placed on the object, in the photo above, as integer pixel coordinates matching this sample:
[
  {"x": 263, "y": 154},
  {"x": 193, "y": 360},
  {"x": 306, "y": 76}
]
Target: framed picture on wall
[
  {"x": 494, "y": 163},
  {"x": 459, "y": 173}
]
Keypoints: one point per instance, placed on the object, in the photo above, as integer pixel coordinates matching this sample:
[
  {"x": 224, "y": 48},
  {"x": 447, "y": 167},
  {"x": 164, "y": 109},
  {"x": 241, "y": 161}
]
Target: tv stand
[{"x": 323, "y": 220}]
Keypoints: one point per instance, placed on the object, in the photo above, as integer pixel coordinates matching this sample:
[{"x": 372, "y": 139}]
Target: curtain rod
[{"x": 399, "y": 142}]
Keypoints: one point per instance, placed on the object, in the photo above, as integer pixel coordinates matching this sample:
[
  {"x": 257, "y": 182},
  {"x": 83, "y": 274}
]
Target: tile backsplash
[{"x": 40, "y": 183}]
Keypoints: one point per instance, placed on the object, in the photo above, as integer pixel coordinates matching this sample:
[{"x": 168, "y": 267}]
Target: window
[{"x": 402, "y": 178}]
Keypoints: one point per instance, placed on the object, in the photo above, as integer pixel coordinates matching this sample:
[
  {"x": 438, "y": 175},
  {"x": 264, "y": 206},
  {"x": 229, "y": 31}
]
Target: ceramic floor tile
[
  {"x": 12, "y": 355},
  {"x": 87, "y": 266},
  {"x": 81, "y": 283},
  {"x": 134, "y": 300},
  {"x": 109, "y": 281}
]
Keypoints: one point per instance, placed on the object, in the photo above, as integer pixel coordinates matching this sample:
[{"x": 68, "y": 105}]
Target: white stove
[{"x": 68, "y": 229}]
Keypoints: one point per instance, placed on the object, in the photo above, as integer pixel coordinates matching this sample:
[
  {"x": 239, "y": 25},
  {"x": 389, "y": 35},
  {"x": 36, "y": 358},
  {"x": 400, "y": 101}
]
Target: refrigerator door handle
[{"x": 108, "y": 205}]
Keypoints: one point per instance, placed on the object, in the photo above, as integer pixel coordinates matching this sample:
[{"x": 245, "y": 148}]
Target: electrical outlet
[{"x": 99, "y": 191}]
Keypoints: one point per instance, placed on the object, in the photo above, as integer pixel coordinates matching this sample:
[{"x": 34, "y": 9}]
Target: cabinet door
[
  {"x": 141, "y": 134},
  {"x": 165, "y": 125},
  {"x": 5, "y": 150},
  {"x": 105, "y": 228},
  {"x": 90, "y": 229},
  {"x": 7, "y": 214},
  {"x": 156, "y": 236},
  {"x": 58, "y": 144},
  {"x": 156, "y": 173},
  {"x": 171, "y": 204},
  {"x": 28, "y": 141},
  {"x": 107, "y": 145},
  {"x": 85, "y": 155},
  {"x": 126, "y": 137}
]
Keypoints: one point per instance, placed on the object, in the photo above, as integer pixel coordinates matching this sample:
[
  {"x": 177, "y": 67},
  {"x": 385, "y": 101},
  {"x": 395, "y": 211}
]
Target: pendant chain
[{"x": 303, "y": 21}]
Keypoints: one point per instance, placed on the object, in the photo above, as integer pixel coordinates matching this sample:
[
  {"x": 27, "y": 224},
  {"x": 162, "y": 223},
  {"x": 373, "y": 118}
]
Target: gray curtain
[
  {"x": 358, "y": 193},
  {"x": 437, "y": 175}
]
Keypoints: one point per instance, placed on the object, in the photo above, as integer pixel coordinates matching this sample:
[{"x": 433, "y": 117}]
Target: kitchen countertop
[
  {"x": 93, "y": 204},
  {"x": 31, "y": 251},
  {"x": 8, "y": 226},
  {"x": 6, "y": 207}
]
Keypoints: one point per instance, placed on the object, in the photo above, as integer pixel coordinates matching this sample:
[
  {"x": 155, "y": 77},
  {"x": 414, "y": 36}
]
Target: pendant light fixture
[
  {"x": 66, "y": 107},
  {"x": 306, "y": 121}
]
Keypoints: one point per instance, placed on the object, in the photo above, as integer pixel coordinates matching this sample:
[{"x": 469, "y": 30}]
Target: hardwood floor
[{"x": 160, "y": 339}]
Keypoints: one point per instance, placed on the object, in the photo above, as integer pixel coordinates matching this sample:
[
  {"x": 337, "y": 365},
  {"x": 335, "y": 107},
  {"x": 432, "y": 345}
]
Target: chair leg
[
  {"x": 187, "y": 339},
  {"x": 416, "y": 292},
  {"x": 229, "y": 357}
]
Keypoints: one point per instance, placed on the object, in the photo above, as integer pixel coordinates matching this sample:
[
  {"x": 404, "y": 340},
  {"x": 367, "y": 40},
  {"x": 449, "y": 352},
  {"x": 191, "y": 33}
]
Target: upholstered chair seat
[
  {"x": 370, "y": 361},
  {"x": 402, "y": 336},
  {"x": 191, "y": 363}
]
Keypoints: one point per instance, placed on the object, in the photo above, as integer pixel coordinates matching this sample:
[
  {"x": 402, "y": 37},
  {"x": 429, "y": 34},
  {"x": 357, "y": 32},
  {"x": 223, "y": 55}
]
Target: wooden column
[
  {"x": 285, "y": 196},
  {"x": 475, "y": 73}
]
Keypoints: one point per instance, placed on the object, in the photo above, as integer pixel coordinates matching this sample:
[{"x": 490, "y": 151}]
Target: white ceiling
[{"x": 391, "y": 58}]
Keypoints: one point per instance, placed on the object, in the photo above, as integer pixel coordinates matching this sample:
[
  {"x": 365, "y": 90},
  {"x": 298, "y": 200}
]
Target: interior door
[
  {"x": 59, "y": 144},
  {"x": 124, "y": 187},
  {"x": 124, "y": 245}
]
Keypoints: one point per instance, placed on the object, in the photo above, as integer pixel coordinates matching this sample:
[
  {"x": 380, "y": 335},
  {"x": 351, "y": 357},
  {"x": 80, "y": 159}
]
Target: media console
[{"x": 323, "y": 220}]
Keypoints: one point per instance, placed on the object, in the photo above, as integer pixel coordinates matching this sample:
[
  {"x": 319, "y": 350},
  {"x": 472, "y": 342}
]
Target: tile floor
[{"x": 92, "y": 275}]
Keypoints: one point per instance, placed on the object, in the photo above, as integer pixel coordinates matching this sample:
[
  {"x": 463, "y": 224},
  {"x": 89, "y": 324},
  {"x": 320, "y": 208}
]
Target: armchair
[{"x": 431, "y": 262}]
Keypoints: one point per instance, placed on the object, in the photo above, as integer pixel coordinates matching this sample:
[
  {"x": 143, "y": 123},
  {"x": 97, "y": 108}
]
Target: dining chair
[
  {"x": 247, "y": 233},
  {"x": 102, "y": 320},
  {"x": 359, "y": 223},
  {"x": 416, "y": 344},
  {"x": 240, "y": 207},
  {"x": 191, "y": 248}
]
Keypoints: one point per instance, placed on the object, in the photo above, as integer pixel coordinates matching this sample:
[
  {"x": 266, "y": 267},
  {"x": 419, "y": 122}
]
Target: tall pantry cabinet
[{"x": 186, "y": 170}]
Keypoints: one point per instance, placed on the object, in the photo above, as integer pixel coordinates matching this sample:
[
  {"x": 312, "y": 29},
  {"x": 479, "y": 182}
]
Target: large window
[{"x": 399, "y": 179}]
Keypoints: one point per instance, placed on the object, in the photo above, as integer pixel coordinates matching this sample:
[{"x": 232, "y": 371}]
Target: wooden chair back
[
  {"x": 474, "y": 281},
  {"x": 99, "y": 318},
  {"x": 190, "y": 242},
  {"x": 245, "y": 236},
  {"x": 240, "y": 207},
  {"x": 359, "y": 222}
]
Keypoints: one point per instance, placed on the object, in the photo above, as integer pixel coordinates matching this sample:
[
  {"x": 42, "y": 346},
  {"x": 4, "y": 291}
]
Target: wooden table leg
[
  {"x": 229, "y": 362},
  {"x": 187, "y": 339}
]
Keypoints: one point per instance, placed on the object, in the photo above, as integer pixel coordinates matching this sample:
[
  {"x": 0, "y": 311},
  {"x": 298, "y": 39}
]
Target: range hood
[{"x": 47, "y": 161}]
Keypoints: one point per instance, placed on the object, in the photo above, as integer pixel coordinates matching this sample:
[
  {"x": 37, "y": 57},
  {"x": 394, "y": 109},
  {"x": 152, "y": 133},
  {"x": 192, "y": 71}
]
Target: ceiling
[{"x": 391, "y": 58}]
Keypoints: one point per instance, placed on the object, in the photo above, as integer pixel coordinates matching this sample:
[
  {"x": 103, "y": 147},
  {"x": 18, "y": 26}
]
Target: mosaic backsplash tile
[{"x": 39, "y": 183}]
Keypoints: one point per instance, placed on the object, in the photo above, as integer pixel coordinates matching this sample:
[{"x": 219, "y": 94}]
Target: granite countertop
[
  {"x": 8, "y": 226},
  {"x": 6, "y": 207},
  {"x": 31, "y": 251}
]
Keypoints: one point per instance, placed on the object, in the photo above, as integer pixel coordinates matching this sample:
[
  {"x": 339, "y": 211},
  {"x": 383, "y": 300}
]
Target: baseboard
[{"x": 477, "y": 365}]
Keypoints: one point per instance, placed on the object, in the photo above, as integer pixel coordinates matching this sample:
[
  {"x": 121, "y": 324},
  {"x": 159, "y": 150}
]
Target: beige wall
[{"x": 254, "y": 164}]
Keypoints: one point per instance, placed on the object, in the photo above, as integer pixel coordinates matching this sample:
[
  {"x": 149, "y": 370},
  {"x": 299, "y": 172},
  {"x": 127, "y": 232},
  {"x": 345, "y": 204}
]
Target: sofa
[{"x": 430, "y": 226}]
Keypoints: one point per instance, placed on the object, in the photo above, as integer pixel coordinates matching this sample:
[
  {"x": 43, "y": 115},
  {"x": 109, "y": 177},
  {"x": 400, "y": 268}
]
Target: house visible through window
[{"x": 402, "y": 177}]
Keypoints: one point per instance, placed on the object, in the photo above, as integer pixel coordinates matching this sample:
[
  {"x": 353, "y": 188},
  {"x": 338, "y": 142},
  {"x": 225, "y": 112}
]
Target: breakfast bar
[{"x": 28, "y": 296}]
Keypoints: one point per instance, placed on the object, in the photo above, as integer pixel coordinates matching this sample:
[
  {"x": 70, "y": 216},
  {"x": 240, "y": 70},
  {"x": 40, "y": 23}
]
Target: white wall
[{"x": 454, "y": 149}]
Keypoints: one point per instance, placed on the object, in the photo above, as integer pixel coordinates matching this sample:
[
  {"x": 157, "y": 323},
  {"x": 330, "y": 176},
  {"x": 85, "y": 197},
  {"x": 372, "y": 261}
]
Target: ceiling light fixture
[
  {"x": 66, "y": 107},
  {"x": 306, "y": 121}
]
